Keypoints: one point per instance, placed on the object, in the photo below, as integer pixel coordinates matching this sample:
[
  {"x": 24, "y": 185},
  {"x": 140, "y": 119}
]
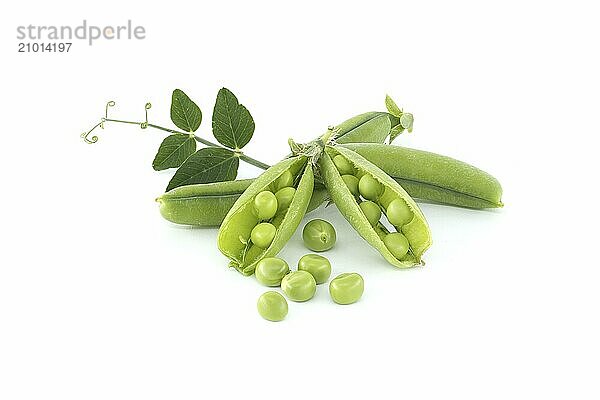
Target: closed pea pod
[
  {"x": 234, "y": 238},
  {"x": 371, "y": 127},
  {"x": 203, "y": 204},
  {"x": 434, "y": 177},
  {"x": 416, "y": 231}
]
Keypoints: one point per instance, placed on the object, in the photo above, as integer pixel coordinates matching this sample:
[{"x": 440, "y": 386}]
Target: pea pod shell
[
  {"x": 417, "y": 231},
  {"x": 239, "y": 223},
  {"x": 202, "y": 204},
  {"x": 371, "y": 127},
  {"x": 434, "y": 177},
  {"x": 207, "y": 204}
]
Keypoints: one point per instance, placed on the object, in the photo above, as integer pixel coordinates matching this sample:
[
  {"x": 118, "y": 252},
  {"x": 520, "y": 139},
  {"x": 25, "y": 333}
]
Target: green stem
[{"x": 242, "y": 156}]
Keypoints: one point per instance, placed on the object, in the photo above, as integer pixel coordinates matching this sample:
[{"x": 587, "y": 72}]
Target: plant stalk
[{"x": 242, "y": 156}]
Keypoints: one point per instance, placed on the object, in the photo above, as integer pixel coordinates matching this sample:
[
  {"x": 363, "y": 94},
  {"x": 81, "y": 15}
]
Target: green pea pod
[
  {"x": 371, "y": 127},
  {"x": 434, "y": 177},
  {"x": 201, "y": 204},
  {"x": 234, "y": 238},
  {"x": 207, "y": 204},
  {"x": 416, "y": 230}
]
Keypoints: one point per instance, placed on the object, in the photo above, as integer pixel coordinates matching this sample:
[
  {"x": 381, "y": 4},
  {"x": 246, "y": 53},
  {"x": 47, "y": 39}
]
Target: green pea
[
  {"x": 271, "y": 270},
  {"x": 284, "y": 198},
  {"x": 319, "y": 235},
  {"x": 285, "y": 180},
  {"x": 343, "y": 165},
  {"x": 398, "y": 213},
  {"x": 347, "y": 288},
  {"x": 397, "y": 244},
  {"x": 265, "y": 204},
  {"x": 352, "y": 183},
  {"x": 299, "y": 286},
  {"x": 371, "y": 211},
  {"x": 381, "y": 232},
  {"x": 369, "y": 188},
  {"x": 318, "y": 266},
  {"x": 262, "y": 235},
  {"x": 272, "y": 306}
]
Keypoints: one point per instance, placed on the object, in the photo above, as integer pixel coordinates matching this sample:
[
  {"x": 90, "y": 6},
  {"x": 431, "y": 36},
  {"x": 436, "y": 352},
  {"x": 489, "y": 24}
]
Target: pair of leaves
[
  {"x": 233, "y": 127},
  {"x": 406, "y": 119},
  {"x": 176, "y": 148}
]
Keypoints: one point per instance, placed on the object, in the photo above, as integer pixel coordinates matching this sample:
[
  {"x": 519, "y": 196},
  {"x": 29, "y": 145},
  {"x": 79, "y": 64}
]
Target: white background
[{"x": 100, "y": 298}]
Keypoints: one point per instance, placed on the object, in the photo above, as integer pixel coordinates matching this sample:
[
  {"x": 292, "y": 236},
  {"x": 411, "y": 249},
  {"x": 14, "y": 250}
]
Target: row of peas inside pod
[
  {"x": 266, "y": 215},
  {"x": 376, "y": 206},
  {"x": 301, "y": 285}
]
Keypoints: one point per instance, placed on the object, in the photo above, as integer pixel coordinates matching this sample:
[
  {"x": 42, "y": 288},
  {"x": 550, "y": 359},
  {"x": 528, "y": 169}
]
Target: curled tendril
[
  {"x": 108, "y": 104},
  {"x": 93, "y": 139},
  {"x": 144, "y": 125}
]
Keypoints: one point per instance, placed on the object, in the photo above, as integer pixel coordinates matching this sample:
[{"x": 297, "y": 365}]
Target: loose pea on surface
[
  {"x": 352, "y": 183},
  {"x": 371, "y": 211},
  {"x": 318, "y": 266},
  {"x": 369, "y": 187},
  {"x": 284, "y": 198},
  {"x": 262, "y": 234},
  {"x": 398, "y": 213},
  {"x": 265, "y": 204},
  {"x": 299, "y": 286},
  {"x": 319, "y": 235},
  {"x": 271, "y": 270},
  {"x": 397, "y": 244},
  {"x": 272, "y": 306},
  {"x": 343, "y": 166},
  {"x": 285, "y": 180},
  {"x": 347, "y": 288}
]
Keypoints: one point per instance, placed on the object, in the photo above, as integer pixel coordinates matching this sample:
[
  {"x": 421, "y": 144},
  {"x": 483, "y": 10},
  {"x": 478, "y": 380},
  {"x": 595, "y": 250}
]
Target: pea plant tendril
[{"x": 233, "y": 127}]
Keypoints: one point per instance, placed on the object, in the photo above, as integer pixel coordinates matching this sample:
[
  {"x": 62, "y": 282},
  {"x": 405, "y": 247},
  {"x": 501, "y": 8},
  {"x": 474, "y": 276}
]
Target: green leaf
[
  {"x": 211, "y": 164},
  {"x": 392, "y": 107},
  {"x": 185, "y": 114},
  {"x": 232, "y": 123},
  {"x": 173, "y": 151},
  {"x": 395, "y": 132}
]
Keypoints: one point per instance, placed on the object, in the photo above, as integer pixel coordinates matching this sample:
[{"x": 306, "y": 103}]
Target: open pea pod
[
  {"x": 253, "y": 229},
  {"x": 401, "y": 235}
]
